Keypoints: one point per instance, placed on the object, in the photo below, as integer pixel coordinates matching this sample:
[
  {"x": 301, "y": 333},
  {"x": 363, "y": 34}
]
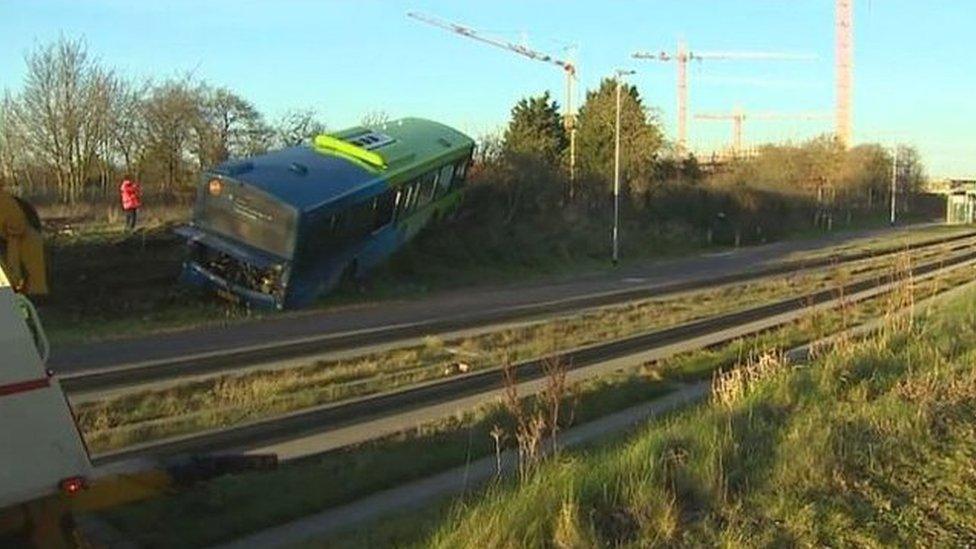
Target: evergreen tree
[
  {"x": 536, "y": 130},
  {"x": 640, "y": 136}
]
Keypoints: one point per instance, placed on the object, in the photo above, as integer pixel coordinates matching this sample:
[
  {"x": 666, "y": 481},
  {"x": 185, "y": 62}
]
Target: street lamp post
[
  {"x": 616, "y": 170},
  {"x": 894, "y": 183}
]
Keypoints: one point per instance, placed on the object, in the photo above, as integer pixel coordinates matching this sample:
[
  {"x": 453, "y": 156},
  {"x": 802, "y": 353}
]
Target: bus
[{"x": 280, "y": 229}]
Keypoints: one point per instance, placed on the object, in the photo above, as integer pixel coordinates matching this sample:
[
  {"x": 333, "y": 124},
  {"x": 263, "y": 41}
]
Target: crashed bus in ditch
[{"x": 281, "y": 229}]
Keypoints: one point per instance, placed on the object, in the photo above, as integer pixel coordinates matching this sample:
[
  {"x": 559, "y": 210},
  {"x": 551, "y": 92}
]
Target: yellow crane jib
[
  {"x": 329, "y": 144},
  {"x": 23, "y": 246}
]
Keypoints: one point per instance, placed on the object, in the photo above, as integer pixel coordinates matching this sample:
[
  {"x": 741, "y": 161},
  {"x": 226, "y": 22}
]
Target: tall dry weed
[
  {"x": 536, "y": 419},
  {"x": 900, "y": 305},
  {"x": 729, "y": 387}
]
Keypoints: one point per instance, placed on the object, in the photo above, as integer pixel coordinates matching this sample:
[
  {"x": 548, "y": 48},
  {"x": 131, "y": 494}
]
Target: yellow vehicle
[
  {"x": 42, "y": 453},
  {"x": 22, "y": 246},
  {"x": 46, "y": 474}
]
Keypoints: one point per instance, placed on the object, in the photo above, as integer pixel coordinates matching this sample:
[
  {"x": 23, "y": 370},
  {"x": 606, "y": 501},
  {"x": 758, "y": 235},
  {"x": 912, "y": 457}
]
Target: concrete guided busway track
[
  {"x": 82, "y": 379},
  {"x": 358, "y": 416}
]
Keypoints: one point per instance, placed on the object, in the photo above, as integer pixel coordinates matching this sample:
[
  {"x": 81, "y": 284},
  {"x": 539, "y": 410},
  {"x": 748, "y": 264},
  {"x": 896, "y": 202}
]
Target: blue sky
[{"x": 915, "y": 66}]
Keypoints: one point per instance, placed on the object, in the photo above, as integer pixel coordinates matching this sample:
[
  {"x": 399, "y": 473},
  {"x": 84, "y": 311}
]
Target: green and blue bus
[{"x": 280, "y": 229}]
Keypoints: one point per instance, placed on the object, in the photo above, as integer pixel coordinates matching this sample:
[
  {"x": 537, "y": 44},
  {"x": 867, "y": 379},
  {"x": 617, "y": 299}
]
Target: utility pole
[
  {"x": 616, "y": 170},
  {"x": 894, "y": 183},
  {"x": 569, "y": 119}
]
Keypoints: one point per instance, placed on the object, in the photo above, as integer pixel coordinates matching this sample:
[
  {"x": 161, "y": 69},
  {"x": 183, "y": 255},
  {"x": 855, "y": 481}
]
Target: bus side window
[
  {"x": 362, "y": 219},
  {"x": 339, "y": 231},
  {"x": 412, "y": 198},
  {"x": 444, "y": 179},
  {"x": 403, "y": 205},
  {"x": 398, "y": 203},
  {"x": 329, "y": 230},
  {"x": 436, "y": 185},
  {"x": 432, "y": 192},
  {"x": 428, "y": 184},
  {"x": 460, "y": 172},
  {"x": 418, "y": 194},
  {"x": 383, "y": 209}
]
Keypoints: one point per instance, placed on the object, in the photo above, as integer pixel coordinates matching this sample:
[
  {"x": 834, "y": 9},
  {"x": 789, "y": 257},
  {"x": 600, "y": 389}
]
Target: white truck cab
[
  {"x": 46, "y": 475},
  {"x": 42, "y": 453}
]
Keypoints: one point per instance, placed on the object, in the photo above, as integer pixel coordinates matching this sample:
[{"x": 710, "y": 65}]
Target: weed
[
  {"x": 730, "y": 386},
  {"x": 536, "y": 420}
]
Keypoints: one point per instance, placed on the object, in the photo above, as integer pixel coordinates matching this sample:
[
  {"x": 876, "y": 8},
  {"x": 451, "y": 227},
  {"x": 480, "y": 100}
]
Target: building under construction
[{"x": 961, "y": 201}]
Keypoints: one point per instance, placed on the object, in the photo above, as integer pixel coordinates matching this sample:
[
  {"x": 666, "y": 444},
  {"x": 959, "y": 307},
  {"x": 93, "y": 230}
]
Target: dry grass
[
  {"x": 98, "y": 217},
  {"x": 237, "y": 398},
  {"x": 872, "y": 446},
  {"x": 199, "y": 516},
  {"x": 730, "y": 386}
]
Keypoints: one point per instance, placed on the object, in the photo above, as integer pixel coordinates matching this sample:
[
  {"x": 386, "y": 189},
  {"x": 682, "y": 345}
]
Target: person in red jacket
[{"x": 131, "y": 201}]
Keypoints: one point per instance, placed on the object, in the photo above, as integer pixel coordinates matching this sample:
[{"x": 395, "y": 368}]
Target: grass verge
[
  {"x": 236, "y": 505},
  {"x": 108, "y": 285},
  {"x": 232, "y": 399},
  {"x": 879, "y": 243},
  {"x": 873, "y": 445},
  {"x": 231, "y": 506}
]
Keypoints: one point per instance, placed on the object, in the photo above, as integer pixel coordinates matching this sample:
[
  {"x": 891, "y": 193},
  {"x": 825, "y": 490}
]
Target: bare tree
[
  {"x": 172, "y": 111},
  {"x": 229, "y": 126},
  {"x": 297, "y": 126},
  {"x": 912, "y": 171},
  {"x": 8, "y": 142},
  {"x": 63, "y": 110},
  {"x": 128, "y": 133},
  {"x": 489, "y": 147},
  {"x": 374, "y": 118},
  {"x": 17, "y": 165}
]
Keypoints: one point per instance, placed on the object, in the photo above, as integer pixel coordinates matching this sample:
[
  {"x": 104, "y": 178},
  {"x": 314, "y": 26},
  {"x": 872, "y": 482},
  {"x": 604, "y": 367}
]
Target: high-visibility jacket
[
  {"x": 131, "y": 195},
  {"x": 23, "y": 257}
]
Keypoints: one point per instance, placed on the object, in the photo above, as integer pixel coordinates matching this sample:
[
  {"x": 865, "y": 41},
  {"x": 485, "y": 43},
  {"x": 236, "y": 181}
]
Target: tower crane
[
  {"x": 682, "y": 55},
  {"x": 568, "y": 67},
  {"x": 738, "y": 118},
  {"x": 844, "y": 67}
]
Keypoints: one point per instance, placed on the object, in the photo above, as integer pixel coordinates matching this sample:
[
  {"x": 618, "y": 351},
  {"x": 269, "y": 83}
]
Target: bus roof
[{"x": 306, "y": 177}]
